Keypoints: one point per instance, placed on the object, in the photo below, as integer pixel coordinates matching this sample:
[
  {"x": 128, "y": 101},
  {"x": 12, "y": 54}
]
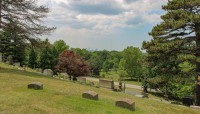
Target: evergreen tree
[
  {"x": 26, "y": 14},
  {"x": 12, "y": 43},
  {"x": 32, "y": 58},
  {"x": 46, "y": 57},
  {"x": 177, "y": 39}
]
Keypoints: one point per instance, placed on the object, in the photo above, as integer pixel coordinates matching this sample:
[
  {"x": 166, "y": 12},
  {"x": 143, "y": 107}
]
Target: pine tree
[
  {"x": 26, "y": 14},
  {"x": 46, "y": 56},
  {"x": 32, "y": 58},
  {"x": 177, "y": 38}
]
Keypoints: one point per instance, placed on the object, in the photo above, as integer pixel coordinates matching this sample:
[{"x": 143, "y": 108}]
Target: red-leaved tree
[{"x": 72, "y": 64}]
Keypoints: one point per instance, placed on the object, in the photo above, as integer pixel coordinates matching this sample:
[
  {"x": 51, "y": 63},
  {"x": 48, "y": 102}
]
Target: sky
[{"x": 103, "y": 24}]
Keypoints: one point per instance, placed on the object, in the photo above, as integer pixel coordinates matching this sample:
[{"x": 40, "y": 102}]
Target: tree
[
  {"x": 59, "y": 46},
  {"x": 72, "y": 64},
  {"x": 32, "y": 58},
  {"x": 107, "y": 65},
  {"x": 46, "y": 56},
  {"x": 84, "y": 53},
  {"x": 131, "y": 62},
  {"x": 26, "y": 15},
  {"x": 177, "y": 37},
  {"x": 12, "y": 44}
]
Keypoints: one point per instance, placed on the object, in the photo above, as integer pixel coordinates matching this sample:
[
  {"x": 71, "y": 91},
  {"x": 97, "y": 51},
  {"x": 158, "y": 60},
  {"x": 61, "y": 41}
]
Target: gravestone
[
  {"x": 1, "y": 57},
  {"x": 65, "y": 75},
  {"x": 35, "y": 85},
  {"x": 136, "y": 93},
  {"x": 195, "y": 107},
  {"x": 48, "y": 72},
  {"x": 17, "y": 64},
  {"x": 90, "y": 95},
  {"x": 81, "y": 80},
  {"x": 106, "y": 83},
  {"x": 125, "y": 103}
]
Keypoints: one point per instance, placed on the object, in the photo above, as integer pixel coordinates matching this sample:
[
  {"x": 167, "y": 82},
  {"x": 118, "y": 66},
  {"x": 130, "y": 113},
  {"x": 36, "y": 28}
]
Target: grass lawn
[{"x": 64, "y": 97}]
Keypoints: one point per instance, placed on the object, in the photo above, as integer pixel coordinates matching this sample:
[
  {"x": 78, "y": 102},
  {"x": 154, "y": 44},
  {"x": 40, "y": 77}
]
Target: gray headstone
[
  {"x": 35, "y": 85},
  {"x": 81, "y": 80},
  {"x": 17, "y": 64},
  {"x": 125, "y": 103},
  {"x": 90, "y": 95},
  {"x": 106, "y": 83},
  {"x": 48, "y": 72}
]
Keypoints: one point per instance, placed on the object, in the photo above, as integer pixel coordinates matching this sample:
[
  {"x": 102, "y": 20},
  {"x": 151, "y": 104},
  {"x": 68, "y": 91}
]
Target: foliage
[
  {"x": 26, "y": 15},
  {"x": 59, "y": 46},
  {"x": 12, "y": 44},
  {"x": 176, "y": 40},
  {"x": 46, "y": 56},
  {"x": 32, "y": 58},
  {"x": 72, "y": 64},
  {"x": 131, "y": 62}
]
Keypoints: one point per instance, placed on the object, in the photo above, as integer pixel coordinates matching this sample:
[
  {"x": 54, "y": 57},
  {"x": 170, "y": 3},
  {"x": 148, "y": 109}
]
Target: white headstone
[{"x": 1, "y": 57}]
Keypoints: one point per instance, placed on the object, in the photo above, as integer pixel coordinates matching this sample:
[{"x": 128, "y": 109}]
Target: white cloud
[{"x": 99, "y": 18}]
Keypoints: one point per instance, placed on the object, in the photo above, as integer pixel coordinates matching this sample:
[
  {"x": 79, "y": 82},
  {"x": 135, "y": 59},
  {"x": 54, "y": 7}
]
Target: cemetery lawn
[{"x": 64, "y": 97}]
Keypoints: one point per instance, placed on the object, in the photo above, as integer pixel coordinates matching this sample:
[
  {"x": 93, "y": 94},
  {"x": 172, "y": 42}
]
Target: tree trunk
[{"x": 197, "y": 81}]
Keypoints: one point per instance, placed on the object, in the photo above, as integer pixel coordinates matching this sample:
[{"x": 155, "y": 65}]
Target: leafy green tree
[
  {"x": 177, "y": 37},
  {"x": 84, "y": 53},
  {"x": 59, "y": 46},
  {"x": 95, "y": 64},
  {"x": 131, "y": 62},
  {"x": 107, "y": 65}
]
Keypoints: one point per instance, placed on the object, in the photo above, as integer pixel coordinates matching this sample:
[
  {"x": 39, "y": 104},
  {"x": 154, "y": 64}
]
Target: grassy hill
[{"x": 64, "y": 97}]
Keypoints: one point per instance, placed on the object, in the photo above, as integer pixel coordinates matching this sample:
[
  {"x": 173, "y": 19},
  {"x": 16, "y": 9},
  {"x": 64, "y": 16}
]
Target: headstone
[
  {"x": 65, "y": 75},
  {"x": 195, "y": 107},
  {"x": 90, "y": 95},
  {"x": 106, "y": 83},
  {"x": 48, "y": 72},
  {"x": 17, "y": 64},
  {"x": 1, "y": 57},
  {"x": 35, "y": 85},
  {"x": 81, "y": 80},
  {"x": 136, "y": 93},
  {"x": 125, "y": 103}
]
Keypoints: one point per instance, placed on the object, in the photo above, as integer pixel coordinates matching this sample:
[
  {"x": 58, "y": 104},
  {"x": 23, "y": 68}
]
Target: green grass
[{"x": 64, "y": 97}]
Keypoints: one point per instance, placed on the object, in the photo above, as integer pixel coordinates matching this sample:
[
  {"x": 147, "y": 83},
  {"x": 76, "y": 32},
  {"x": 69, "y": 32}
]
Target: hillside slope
[{"x": 64, "y": 97}]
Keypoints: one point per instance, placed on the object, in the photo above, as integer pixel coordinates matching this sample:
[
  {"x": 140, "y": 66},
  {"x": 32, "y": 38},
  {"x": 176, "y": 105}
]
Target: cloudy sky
[{"x": 103, "y": 24}]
